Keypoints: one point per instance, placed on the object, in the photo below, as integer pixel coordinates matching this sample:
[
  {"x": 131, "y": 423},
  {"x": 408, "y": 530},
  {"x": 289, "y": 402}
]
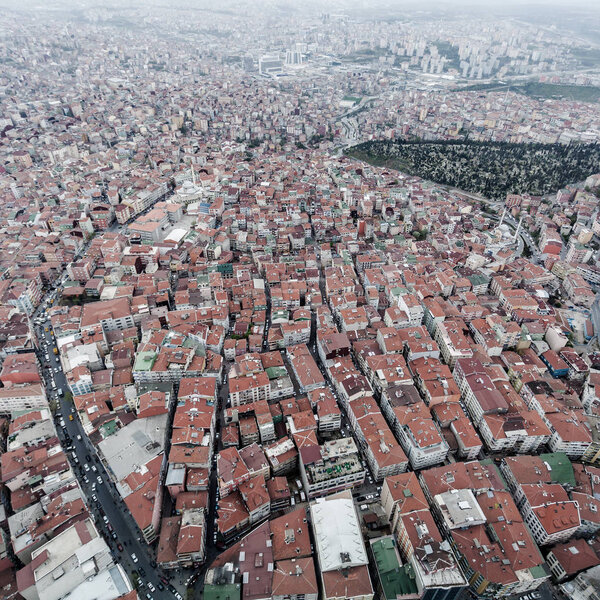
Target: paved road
[{"x": 108, "y": 501}]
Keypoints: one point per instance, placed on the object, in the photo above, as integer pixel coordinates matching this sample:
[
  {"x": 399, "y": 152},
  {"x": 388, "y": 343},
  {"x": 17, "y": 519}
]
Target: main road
[
  {"x": 107, "y": 500},
  {"x": 135, "y": 555}
]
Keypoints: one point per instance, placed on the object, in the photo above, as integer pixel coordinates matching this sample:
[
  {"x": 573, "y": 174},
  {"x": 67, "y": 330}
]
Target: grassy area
[
  {"x": 365, "y": 55},
  {"x": 578, "y": 93},
  {"x": 588, "y": 57}
]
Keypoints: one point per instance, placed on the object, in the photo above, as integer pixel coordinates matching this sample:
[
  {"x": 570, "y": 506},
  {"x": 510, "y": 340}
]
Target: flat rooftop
[{"x": 134, "y": 445}]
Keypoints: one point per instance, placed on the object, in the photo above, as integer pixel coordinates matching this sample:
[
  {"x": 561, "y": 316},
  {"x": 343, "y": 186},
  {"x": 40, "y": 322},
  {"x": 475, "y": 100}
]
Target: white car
[
  {"x": 105, "y": 519},
  {"x": 99, "y": 479},
  {"x": 134, "y": 558},
  {"x": 151, "y": 587}
]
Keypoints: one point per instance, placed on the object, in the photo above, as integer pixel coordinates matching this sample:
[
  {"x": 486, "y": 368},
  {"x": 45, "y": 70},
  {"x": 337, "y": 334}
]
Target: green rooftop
[
  {"x": 109, "y": 428},
  {"x": 33, "y": 480},
  {"x": 226, "y": 268},
  {"x": 561, "y": 468},
  {"x": 229, "y": 591},
  {"x": 399, "y": 291},
  {"x": 539, "y": 571},
  {"x": 276, "y": 372},
  {"x": 144, "y": 361},
  {"x": 396, "y": 579},
  {"x": 478, "y": 279}
]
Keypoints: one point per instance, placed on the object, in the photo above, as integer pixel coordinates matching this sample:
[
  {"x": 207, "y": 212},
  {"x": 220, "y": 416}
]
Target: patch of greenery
[
  {"x": 365, "y": 55},
  {"x": 587, "y": 57},
  {"x": 578, "y": 93},
  {"x": 450, "y": 52},
  {"x": 492, "y": 169}
]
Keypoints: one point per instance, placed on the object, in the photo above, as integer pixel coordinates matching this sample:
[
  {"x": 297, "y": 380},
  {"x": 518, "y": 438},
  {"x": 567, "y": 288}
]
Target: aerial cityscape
[{"x": 299, "y": 300}]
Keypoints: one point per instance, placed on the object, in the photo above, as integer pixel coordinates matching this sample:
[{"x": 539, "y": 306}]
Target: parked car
[{"x": 134, "y": 558}]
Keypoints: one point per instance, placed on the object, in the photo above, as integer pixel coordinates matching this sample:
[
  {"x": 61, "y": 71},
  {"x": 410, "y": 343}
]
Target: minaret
[
  {"x": 518, "y": 228},
  {"x": 193, "y": 174},
  {"x": 502, "y": 217}
]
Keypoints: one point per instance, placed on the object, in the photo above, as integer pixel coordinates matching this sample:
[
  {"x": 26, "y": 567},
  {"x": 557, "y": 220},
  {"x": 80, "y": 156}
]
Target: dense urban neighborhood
[{"x": 237, "y": 363}]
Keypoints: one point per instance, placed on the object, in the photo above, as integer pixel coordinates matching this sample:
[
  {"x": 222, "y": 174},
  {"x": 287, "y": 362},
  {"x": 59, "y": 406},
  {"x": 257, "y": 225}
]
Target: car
[
  {"x": 99, "y": 479},
  {"x": 94, "y": 468},
  {"x": 160, "y": 586},
  {"x": 85, "y": 479},
  {"x": 164, "y": 580},
  {"x": 78, "y": 435},
  {"x": 178, "y": 596},
  {"x": 153, "y": 564},
  {"x": 142, "y": 571},
  {"x": 70, "y": 419},
  {"x": 94, "y": 498},
  {"x": 134, "y": 558},
  {"x": 114, "y": 535},
  {"x": 105, "y": 519},
  {"x": 93, "y": 487},
  {"x": 86, "y": 467},
  {"x": 109, "y": 527},
  {"x": 88, "y": 457},
  {"x": 151, "y": 587},
  {"x": 149, "y": 596},
  {"x": 120, "y": 547}
]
